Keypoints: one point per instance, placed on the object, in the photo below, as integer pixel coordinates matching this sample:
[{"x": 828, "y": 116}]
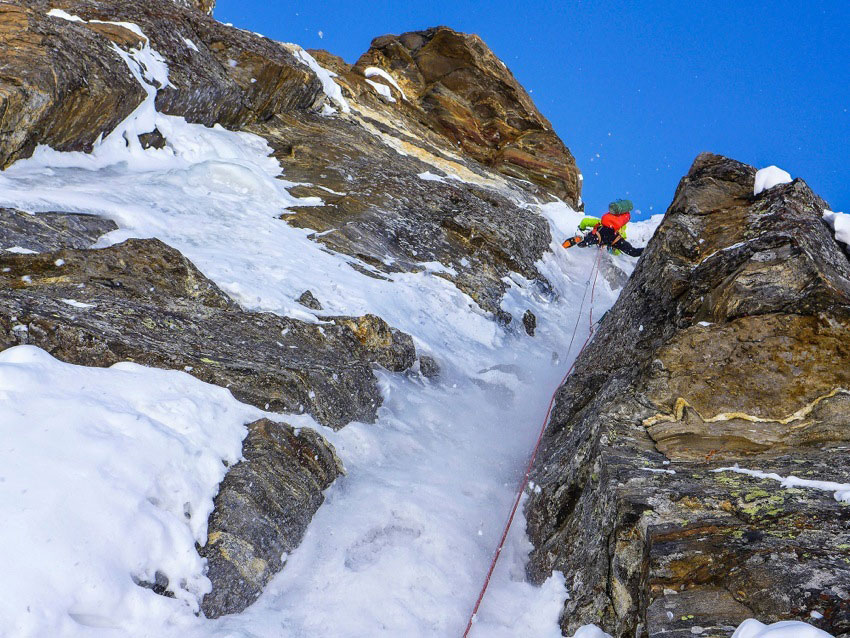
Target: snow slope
[
  {"x": 107, "y": 476},
  {"x": 404, "y": 540}
]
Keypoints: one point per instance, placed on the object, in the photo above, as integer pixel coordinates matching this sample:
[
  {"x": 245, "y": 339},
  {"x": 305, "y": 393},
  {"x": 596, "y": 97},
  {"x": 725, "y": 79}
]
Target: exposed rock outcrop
[
  {"x": 143, "y": 301},
  {"x": 50, "y": 231},
  {"x": 728, "y": 345},
  {"x": 205, "y": 6},
  {"x": 471, "y": 98},
  {"x": 262, "y": 511}
]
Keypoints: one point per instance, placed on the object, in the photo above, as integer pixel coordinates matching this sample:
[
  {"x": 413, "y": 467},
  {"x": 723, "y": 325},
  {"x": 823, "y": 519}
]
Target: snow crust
[
  {"x": 840, "y": 224},
  {"x": 373, "y": 71},
  {"x": 841, "y": 491},
  {"x": 329, "y": 86},
  {"x": 785, "y": 629},
  {"x": 769, "y": 177},
  {"x": 106, "y": 476}
]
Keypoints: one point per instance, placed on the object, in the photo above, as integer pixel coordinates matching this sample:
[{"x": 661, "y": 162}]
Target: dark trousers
[{"x": 609, "y": 237}]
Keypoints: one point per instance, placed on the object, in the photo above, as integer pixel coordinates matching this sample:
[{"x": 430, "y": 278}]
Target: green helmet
[{"x": 621, "y": 206}]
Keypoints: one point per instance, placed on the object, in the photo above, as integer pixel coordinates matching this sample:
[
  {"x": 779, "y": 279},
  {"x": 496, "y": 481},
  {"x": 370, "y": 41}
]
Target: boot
[{"x": 572, "y": 241}]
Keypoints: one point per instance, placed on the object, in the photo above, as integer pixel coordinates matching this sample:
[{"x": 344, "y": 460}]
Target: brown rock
[
  {"x": 470, "y": 97},
  {"x": 62, "y": 84},
  {"x": 205, "y": 6}
]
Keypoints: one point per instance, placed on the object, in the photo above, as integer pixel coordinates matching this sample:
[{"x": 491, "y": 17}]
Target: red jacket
[{"x": 615, "y": 221}]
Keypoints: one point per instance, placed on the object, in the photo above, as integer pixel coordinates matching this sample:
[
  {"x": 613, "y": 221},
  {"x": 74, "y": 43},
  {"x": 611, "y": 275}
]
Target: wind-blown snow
[
  {"x": 770, "y": 177},
  {"x": 106, "y": 475}
]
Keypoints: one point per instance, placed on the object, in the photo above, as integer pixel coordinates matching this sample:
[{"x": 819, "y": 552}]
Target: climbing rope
[{"x": 594, "y": 272}]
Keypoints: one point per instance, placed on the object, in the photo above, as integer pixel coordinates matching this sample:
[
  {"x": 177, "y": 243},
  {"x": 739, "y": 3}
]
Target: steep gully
[{"x": 437, "y": 256}]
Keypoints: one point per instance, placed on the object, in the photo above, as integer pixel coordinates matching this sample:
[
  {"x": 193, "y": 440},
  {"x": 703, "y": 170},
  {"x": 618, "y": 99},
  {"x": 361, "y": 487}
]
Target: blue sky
[{"x": 638, "y": 89}]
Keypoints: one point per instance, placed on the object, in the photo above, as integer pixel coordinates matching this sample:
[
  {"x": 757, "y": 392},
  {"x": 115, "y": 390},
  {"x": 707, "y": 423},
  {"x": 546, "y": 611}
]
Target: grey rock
[
  {"x": 262, "y": 511},
  {"x": 744, "y": 304},
  {"x": 149, "y": 304},
  {"x": 50, "y": 231},
  {"x": 206, "y": 6},
  {"x": 309, "y": 301},
  {"x": 429, "y": 367},
  {"x": 529, "y": 322}
]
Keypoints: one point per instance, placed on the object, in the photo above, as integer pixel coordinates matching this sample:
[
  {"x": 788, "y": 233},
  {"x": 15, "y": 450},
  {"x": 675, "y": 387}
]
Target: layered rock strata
[{"x": 727, "y": 346}]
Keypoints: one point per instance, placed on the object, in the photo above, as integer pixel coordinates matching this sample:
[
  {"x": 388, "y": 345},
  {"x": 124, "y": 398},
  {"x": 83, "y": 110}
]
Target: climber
[{"x": 609, "y": 231}]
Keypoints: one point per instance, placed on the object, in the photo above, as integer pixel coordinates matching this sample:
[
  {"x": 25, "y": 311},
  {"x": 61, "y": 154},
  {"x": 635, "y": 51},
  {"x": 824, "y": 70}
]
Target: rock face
[
  {"x": 728, "y": 345},
  {"x": 143, "y": 301},
  {"x": 63, "y": 84},
  {"x": 205, "y": 6},
  {"x": 471, "y": 98},
  {"x": 262, "y": 511},
  {"x": 50, "y": 231}
]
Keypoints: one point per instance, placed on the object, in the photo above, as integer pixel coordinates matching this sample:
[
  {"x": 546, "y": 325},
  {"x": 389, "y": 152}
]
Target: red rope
[{"x": 594, "y": 273}]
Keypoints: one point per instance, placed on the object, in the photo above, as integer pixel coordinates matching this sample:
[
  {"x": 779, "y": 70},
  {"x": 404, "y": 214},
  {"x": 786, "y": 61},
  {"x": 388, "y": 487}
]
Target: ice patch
[
  {"x": 769, "y": 177},
  {"x": 190, "y": 44},
  {"x": 18, "y": 250}
]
